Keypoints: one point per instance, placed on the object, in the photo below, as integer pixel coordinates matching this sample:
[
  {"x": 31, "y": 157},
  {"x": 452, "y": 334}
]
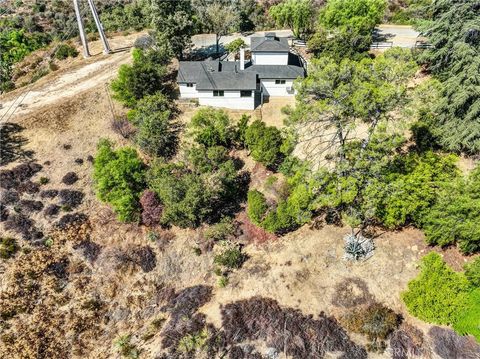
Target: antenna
[{"x": 98, "y": 23}]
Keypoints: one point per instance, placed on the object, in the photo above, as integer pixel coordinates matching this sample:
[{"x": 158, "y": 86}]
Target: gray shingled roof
[
  {"x": 225, "y": 75},
  {"x": 264, "y": 44},
  {"x": 277, "y": 71},
  {"x": 216, "y": 75}
]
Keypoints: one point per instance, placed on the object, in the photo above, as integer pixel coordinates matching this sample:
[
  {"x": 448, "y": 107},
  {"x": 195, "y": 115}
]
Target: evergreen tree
[
  {"x": 174, "y": 24},
  {"x": 454, "y": 33}
]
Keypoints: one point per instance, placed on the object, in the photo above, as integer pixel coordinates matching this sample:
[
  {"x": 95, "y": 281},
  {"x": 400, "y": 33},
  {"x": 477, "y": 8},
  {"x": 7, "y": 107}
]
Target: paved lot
[{"x": 399, "y": 35}]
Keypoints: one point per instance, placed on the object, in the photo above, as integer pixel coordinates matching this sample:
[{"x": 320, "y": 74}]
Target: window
[
  {"x": 279, "y": 82},
  {"x": 218, "y": 93},
  {"x": 189, "y": 85},
  {"x": 246, "y": 93}
]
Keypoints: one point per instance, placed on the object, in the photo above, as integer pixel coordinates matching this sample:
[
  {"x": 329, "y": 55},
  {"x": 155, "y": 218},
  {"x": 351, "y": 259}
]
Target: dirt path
[{"x": 79, "y": 76}]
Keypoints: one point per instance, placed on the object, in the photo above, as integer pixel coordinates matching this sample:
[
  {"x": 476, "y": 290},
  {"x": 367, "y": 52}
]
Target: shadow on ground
[{"x": 12, "y": 144}]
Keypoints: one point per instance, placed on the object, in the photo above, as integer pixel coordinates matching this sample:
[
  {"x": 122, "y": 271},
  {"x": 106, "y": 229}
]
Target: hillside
[
  {"x": 321, "y": 200},
  {"x": 101, "y": 282}
]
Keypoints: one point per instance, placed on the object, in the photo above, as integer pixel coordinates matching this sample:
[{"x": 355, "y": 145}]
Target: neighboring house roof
[
  {"x": 216, "y": 75},
  {"x": 269, "y": 43}
]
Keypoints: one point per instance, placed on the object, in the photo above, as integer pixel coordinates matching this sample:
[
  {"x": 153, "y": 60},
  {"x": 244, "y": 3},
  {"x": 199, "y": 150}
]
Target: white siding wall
[
  {"x": 270, "y": 58},
  {"x": 188, "y": 92},
  {"x": 272, "y": 89},
  {"x": 231, "y": 99}
]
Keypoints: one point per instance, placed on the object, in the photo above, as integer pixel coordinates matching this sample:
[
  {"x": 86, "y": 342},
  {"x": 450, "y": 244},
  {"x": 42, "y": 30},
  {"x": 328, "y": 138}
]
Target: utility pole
[
  {"x": 81, "y": 29},
  {"x": 98, "y": 23},
  {"x": 106, "y": 47}
]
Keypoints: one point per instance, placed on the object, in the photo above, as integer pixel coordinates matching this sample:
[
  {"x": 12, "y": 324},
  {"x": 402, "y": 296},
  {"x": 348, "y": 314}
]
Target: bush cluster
[
  {"x": 441, "y": 295},
  {"x": 455, "y": 216},
  {"x": 198, "y": 190},
  {"x": 157, "y": 128},
  {"x": 146, "y": 76},
  {"x": 211, "y": 127},
  {"x": 264, "y": 143},
  {"x": 64, "y": 51},
  {"x": 119, "y": 177},
  {"x": 230, "y": 257}
]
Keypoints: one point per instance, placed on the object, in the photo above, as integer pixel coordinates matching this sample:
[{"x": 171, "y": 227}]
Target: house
[{"x": 243, "y": 84}]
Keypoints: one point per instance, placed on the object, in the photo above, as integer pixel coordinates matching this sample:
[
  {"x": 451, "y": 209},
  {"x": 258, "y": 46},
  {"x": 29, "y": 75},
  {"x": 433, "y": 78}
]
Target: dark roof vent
[{"x": 270, "y": 35}]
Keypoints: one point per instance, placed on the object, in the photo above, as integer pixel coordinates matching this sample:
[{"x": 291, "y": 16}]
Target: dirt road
[{"x": 79, "y": 76}]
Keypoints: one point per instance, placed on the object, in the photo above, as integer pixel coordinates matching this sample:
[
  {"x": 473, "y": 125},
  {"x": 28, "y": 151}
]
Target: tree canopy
[
  {"x": 146, "y": 76},
  {"x": 174, "y": 24},
  {"x": 298, "y": 15},
  {"x": 358, "y": 14},
  {"x": 345, "y": 28},
  {"x": 119, "y": 179},
  {"x": 157, "y": 127},
  {"x": 217, "y": 16},
  {"x": 454, "y": 33}
]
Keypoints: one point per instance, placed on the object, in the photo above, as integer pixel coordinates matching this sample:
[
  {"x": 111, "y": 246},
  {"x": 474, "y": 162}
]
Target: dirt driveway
[{"x": 78, "y": 76}]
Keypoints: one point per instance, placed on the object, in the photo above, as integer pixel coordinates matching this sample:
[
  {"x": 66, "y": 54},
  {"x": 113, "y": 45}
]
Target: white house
[{"x": 244, "y": 84}]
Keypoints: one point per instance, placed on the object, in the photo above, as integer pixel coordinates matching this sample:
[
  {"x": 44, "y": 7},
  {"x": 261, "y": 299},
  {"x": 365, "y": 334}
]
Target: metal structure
[{"x": 81, "y": 29}]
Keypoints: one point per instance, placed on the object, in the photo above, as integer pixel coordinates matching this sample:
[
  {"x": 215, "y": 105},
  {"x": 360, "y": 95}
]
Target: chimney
[{"x": 242, "y": 59}]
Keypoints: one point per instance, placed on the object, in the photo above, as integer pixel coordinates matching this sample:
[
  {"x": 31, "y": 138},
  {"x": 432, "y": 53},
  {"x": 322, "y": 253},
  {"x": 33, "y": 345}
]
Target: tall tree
[
  {"x": 298, "y": 15},
  {"x": 454, "y": 58},
  {"x": 345, "y": 28},
  {"x": 336, "y": 97},
  {"x": 340, "y": 119},
  {"x": 174, "y": 24},
  {"x": 217, "y": 16}
]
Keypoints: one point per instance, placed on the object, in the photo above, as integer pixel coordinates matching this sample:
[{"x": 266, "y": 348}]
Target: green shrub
[
  {"x": 184, "y": 195},
  {"x": 235, "y": 45},
  {"x": 43, "y": 180},
  {"x": 438, "y": 294},
  {"x": 240, "y": 130},
  {"x": 222, "y": 281},
  {"x": 279, "y": 220},
  {"x": 472, "y": 272},
  {"x": 119, "y": 179},
  {"x": 126, "y": 348},
  {"x": 467, "y": 321},
  {"x": 410, "y": 187},
  {"x": 146, "y": 76},
  {"x": 264, "y": 143},
  {"x": 63, "y": 51},
  {"x": 8, "y": 247},
  {"x": 231, "y": 257},
  {"x": 157, "y": 127},
  {"x": 193, "y": 342},
  {"x": 201, "y": 190},
  {"x": 211, "y": 127},
  {"x": 256, "y": 206},
  {"x": 220, "y": 231},
  {"x": 456, "y": 215}
]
